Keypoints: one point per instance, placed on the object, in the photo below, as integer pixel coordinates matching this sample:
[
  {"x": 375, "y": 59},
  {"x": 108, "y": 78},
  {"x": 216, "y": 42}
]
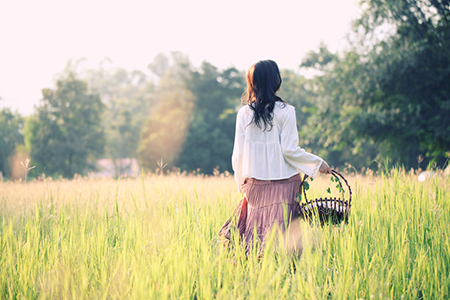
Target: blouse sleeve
[
  {"x": 236, "y": 158},
  {"x": 303, "y": 161}
]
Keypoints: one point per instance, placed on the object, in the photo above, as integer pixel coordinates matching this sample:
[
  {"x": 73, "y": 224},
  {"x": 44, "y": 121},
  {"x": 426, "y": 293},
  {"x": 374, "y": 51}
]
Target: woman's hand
[{"x": 325, "y": 168}]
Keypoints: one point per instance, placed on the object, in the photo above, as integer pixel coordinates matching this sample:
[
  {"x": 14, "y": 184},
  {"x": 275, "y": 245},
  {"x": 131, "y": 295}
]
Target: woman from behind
[{"x": 267, "y": 160}]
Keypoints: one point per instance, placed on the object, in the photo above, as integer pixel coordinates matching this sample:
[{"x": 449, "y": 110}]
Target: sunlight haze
[{"x": 39, "y": 37}]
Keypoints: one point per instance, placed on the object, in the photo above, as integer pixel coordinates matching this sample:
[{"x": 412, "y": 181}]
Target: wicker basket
[{"x": 327, "y": 211}]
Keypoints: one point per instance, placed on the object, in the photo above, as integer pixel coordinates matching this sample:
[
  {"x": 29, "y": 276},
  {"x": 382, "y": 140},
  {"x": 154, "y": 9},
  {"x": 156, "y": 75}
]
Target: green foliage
[
  {"x": 306, "y": 184},
  {"x": 319, "y": 60},
  {"x": 388, "y": 95},
  {"x": 164, "y": 131},
  {"x": 210, "y": 137},
  {"x": 328, "y": 129},
  {"x": 127, "y": 97},
  {"x": 407, "y": 98},
  {"x": 293, "y": 90},
  {"x": 11, "y": 125},
  {"x": 65, "y": 136}
]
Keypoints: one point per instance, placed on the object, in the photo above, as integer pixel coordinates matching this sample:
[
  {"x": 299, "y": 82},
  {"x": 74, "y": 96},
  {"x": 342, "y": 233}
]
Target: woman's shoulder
[
  {"x": 243, "y": 112},
  {"x": 283, "y": 107},
  {"x": 242, "y": 108}
]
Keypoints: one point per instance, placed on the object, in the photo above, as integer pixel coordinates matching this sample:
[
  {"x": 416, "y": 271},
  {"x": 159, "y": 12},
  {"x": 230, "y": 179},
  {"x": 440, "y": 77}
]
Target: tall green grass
[{"x": 156, "y": 238}]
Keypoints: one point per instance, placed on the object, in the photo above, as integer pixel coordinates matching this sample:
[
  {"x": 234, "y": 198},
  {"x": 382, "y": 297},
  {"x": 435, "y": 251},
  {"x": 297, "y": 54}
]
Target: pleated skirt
[{"x": 266, "y": 203}]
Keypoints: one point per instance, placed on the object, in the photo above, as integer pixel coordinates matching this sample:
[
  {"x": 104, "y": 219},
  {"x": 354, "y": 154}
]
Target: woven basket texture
[{"x": 326, "y": 210}]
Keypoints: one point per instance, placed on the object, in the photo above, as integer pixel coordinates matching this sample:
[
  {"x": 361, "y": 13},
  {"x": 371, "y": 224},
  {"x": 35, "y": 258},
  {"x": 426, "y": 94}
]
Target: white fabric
[{"x": 270, "y": 155}]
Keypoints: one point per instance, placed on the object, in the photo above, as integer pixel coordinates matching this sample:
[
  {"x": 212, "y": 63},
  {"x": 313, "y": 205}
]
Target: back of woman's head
[{"x": 263, "y": 81}]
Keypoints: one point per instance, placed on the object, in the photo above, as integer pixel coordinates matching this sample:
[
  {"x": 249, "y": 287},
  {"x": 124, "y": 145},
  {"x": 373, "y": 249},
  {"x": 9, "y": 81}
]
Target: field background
[{"x": 155, "y": 237}]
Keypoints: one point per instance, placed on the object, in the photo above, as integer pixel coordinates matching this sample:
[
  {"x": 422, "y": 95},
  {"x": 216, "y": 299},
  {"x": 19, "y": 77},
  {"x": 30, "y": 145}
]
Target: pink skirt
[{"x": 266, "y": 203}]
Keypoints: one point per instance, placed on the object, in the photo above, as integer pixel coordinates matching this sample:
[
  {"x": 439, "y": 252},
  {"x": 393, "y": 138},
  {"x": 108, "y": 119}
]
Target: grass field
[{"x": 155, "y": 238}]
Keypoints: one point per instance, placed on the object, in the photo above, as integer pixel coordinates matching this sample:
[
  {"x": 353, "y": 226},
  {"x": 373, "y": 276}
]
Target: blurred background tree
[
  {"x": 191, "y": 117},
  {"x": 65, "y": 135},
  {"x": 165, "y": 130},
  {"x": 210, "y": 137},
  {"x": 388, "y": 96},
  {"x": 168, "y": 117},
  {"x": 407, "y": 98},
  {"x": 11, "y": 126},
  {"x": 126, "y": 95},
  {"x": 294, "y": 90}
]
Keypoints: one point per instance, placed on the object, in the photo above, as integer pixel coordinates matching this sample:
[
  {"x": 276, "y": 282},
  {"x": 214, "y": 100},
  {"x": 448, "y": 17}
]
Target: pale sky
[{"x": 37, "y": 38}]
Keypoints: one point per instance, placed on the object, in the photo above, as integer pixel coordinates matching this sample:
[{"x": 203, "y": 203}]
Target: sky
[{"x": 38, "y": 38}]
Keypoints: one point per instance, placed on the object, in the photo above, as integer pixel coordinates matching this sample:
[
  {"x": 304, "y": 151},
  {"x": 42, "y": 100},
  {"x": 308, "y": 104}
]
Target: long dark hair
[{"x": 263, "y": 81}]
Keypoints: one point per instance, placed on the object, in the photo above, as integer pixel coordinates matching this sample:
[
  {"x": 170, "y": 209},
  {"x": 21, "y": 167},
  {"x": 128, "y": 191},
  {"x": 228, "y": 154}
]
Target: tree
[
  {"x": 11, "y": 126},
  {"x": 407, "y": 98},
  {"x": 160, "y": 65},
  {"x": 319, "y": 60},
  {"x": 210, "y": 137},
  {"x": 127, "y": 97},
  {"x": 164, "y": 131},
  {"x": 335, "y": 93},
  {"x": 294, "y": 91},
  {"x": 388, "y": 94},
  {"x": 65, "y": 135}
]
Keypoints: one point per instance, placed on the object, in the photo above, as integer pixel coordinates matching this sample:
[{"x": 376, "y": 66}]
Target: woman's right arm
[{"x": 303, "y": 161}]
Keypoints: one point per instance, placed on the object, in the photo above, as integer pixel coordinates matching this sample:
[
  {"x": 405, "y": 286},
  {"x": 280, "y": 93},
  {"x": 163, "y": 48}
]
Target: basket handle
[{"x": 335, "y": 174}]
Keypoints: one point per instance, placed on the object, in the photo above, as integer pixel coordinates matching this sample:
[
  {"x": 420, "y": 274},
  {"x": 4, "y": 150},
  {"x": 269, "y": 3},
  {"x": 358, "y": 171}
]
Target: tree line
[{"x": 387, "y": 96}]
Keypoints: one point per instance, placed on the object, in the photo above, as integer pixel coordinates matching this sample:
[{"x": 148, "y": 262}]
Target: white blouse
[{"x": 270, "y": 155}]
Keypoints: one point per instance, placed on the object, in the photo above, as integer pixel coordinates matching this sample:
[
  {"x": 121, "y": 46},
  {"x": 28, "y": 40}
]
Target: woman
[{"x": 266, "y": 158}]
